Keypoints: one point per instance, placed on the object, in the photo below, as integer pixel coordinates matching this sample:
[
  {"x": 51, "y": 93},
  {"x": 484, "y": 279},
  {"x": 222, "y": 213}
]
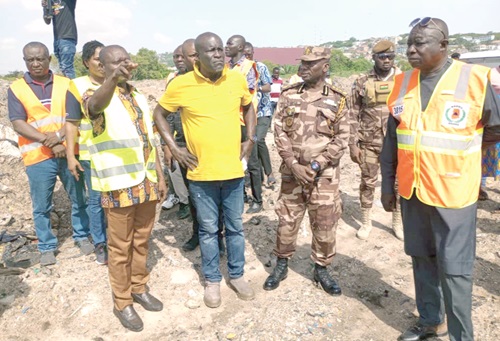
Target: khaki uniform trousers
[
  {"x": 322, "y": 200},
  {"x": 129, "y": 229},
  {"x": 370, "y": 166}
]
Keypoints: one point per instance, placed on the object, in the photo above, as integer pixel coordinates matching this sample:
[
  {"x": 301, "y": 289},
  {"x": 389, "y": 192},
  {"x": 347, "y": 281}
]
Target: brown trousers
[
  {"x": 129, "y": 229},
  {"x": 322, "y": 200}
]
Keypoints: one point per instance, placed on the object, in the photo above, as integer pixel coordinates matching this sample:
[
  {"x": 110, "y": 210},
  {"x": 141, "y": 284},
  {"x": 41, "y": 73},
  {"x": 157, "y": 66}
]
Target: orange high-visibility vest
[
  {"x": 439, "y": 149},
  {"x": 244, "y": 68},
  {"x": 39, "y": 117}
]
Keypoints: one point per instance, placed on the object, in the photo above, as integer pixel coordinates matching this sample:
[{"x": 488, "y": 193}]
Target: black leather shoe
[
  {"x": 279, "y": 273},
  {"x": 183, "y": 212},
  {"x": 421, "y": 332},
  {"x": 222, "y": 247},
  {"x": 191, "y": 244},
  {"x": 328, "y": 284},
  {"x": 254, "y": 208},
  {"x": 148, "y": 301},
  {"x": 129, "y": 318}
]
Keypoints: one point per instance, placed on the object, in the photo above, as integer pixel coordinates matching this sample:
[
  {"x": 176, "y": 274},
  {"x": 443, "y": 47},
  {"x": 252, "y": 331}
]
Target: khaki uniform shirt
[
  {"x": 311, "y": 125},
  {"x": 369, "y": 119}
]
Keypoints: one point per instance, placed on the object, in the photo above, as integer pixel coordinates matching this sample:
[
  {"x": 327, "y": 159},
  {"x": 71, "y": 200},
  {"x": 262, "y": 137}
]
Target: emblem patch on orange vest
[{"x": 455, "y": 115}]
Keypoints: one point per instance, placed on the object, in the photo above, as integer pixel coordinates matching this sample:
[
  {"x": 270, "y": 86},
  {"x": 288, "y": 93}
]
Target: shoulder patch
[{"x": 291, "y": 86}]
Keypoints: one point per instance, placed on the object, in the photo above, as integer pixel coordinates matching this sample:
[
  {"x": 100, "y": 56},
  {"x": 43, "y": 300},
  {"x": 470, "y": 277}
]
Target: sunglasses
[
  {"x": 424, "y": 22},
  {"x": 383, "y": 56}
]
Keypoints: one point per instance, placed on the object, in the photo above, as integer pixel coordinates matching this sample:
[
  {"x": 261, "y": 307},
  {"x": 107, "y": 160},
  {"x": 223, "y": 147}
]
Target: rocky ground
[{"x": 71, "y": 300}]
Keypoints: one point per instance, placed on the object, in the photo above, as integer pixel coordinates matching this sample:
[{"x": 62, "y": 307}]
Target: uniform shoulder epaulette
[
  {"x": 337, "y": 90},
  {"x": 291, "y": 86}
]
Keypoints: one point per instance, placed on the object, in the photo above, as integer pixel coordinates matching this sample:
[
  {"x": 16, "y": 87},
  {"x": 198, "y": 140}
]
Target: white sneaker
[{"x": 171, "y": 201}]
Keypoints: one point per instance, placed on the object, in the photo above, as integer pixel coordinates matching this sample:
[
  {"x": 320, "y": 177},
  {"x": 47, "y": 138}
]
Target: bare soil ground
[{"x": 72, "y": 299}]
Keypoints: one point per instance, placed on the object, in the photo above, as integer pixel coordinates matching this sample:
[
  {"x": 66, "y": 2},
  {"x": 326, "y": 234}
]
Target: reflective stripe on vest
[
  {"x": 47, "y": 121},
  {"x": 40, "y": 118},
  {"x": 78, "y": 87},
  {"x": 85, "y": 125},
  {"x": 117, "y": 155},
  {"x": 115, "y": 144},
  {"x": 25, "y": 148},
  {"x": 439, "y": 150}
]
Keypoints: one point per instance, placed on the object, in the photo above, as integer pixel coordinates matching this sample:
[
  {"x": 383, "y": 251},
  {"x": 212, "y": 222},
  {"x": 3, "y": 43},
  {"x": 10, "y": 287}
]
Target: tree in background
[
  {"x": 80, "y": 69},
  {"x": 342, "y": 66},
  {"x": 149, "y": 65},
  {"x": 285, "y": 70},
  {"x": 402, "y": 63}
]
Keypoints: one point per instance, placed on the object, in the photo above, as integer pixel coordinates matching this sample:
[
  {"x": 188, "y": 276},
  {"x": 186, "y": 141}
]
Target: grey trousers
[
  {"x": 442, "y": 244},
  {"x": 437, "y": 292}
]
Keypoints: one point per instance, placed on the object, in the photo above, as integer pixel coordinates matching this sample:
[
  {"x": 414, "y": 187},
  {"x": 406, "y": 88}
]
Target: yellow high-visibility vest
[
  {"x": 117, "y": 155},
  {"x": 78, "y": 87}
]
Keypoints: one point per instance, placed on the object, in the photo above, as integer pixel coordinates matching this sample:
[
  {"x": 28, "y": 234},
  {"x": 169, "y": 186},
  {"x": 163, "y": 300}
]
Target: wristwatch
[
  {"x": 59, "y": 137},
  {"x": 253, "y": 139},
  {"x": 315, "y": 166}
]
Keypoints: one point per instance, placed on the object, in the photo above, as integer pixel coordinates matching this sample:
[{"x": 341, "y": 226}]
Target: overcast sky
[{"x": 163, "y": 25}]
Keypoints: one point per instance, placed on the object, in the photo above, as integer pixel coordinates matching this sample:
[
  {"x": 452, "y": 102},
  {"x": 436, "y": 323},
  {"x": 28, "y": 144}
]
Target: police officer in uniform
[
  {"x": 368, "y": 127},
  {"x": 311, "y": 133}
]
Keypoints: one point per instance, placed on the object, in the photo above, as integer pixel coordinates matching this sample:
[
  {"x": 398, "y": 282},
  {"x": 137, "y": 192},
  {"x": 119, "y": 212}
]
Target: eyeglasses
[
  {"x": 383, "y": 56},
  {"x": 424, "y": 22}
]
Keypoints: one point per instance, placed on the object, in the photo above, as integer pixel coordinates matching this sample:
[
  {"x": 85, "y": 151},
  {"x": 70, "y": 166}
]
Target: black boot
[
  {"x": 192, "y": 243},
  {"x": 328, "y": 284},
  {"x": 279, "y": 273}
]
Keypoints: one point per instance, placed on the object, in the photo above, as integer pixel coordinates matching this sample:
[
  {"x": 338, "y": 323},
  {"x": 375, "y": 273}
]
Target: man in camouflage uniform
[
  {"x": 368, "y": 127},
  {"x": 311, "y": 133}
]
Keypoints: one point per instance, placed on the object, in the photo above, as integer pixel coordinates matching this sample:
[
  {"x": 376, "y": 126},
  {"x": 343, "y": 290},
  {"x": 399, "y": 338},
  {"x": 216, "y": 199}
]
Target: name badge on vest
[
  {"x": 398, "y": 110},
  {"x": 455, "y": 115}
]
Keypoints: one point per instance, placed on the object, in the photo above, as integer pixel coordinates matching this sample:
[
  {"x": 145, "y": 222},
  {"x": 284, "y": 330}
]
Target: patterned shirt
[
  {"x": 146, "y": 190},
  {"x": 251, "y": 77},
  {"x": 264, "y": 109}
]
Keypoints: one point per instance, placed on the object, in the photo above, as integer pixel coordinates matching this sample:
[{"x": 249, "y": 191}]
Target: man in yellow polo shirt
[{"x": 209, "y": 99}]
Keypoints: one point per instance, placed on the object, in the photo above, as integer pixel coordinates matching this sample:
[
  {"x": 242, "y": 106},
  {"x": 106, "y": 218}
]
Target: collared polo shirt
[{"x": 210, "y": 114}]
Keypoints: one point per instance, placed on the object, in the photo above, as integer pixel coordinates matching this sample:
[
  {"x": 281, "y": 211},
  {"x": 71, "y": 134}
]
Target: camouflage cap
[
  {"x": 312, "y": 53},
  {"x": 383, "y": 46}
]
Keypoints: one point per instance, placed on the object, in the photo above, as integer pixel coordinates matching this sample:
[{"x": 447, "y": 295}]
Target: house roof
[{"x": 279, "y": 55}]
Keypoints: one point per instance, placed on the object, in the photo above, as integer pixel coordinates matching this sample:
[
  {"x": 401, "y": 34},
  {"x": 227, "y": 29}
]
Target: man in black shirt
[{"x": 62, "y": 15}]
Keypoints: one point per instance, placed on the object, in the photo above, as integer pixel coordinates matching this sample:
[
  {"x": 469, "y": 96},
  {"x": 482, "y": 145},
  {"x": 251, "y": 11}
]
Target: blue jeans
[
  {"x": 208, "y": 197},
  {"x": 64, "y": 50},
  {"x": 42, "y": 179},
  {"x": 94, "y": 208}
]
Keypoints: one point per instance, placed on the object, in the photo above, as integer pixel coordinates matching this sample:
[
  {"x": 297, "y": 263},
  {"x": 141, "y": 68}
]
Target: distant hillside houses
[{"x": 354, "y": 48}]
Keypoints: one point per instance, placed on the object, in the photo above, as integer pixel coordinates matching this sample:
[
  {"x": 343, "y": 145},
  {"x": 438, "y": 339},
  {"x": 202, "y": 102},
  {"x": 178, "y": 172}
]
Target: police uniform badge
[{"x": 290, "y": 111}]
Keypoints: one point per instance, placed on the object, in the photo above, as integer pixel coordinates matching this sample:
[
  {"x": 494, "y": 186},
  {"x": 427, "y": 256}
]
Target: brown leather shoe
[
  {"x": 212, "y": 294},
  {"x": 129, "y": 318},
  {"x": 148, "y": 301},
  {"x": 420, "y": 332}
]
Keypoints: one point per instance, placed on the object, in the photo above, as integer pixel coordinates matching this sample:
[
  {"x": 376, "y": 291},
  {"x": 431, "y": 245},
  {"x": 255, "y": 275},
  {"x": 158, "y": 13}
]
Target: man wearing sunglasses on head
[
  {"x": 442, "y": 112},
  {"x": 368, "y": 126}
]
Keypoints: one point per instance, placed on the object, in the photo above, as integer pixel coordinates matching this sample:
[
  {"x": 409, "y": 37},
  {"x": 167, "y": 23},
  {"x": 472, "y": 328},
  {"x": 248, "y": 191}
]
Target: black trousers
[
  {"x": 263, "y": 124},
  {"x": 254, "y": 170}
]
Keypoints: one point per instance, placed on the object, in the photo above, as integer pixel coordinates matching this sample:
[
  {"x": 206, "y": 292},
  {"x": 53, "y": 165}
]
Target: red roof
[{"x": 278, "y": 55}]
